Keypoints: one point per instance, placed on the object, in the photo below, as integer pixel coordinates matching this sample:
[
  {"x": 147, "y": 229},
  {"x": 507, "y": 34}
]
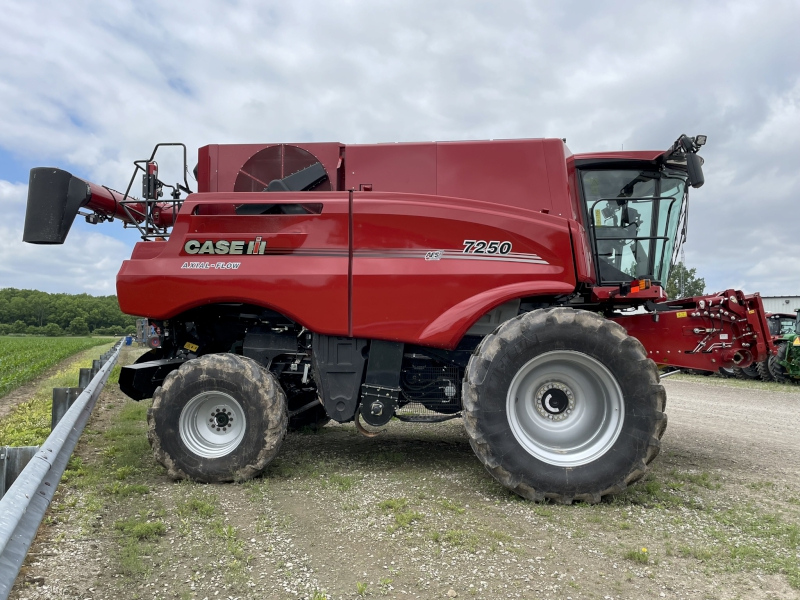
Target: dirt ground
[{"x": 412, "y": 514}]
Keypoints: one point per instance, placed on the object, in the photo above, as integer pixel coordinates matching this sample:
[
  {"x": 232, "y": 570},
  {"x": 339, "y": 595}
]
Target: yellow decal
[
  {"x": 191, "y": 347},
  {"x": 751, "y": 312},
  {"x": 598, "y": 219},
  {"x": 680, "y": 315},
  {"x": 796, "y": 341}
]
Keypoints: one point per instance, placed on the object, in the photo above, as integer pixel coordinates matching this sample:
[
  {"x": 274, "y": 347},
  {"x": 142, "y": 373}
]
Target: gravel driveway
[{"x": 412, "y": 514}]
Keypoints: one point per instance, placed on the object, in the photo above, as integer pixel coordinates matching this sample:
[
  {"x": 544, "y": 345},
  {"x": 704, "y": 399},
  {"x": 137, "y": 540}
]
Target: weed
[
  {"x": 624, "y": 525},
  {"x": 639, "y": 555},
  {"x": 793, "y": 535},
  {"x": 595, "y": 518},
  {"x": 499, "y": 536},
  {"x": 318, "y": 595},
  {"x": 197, "y": 507},
  {"x": 342, "y": 482},
  {"x": 701, "y": 553},
  {"x": 123, "y": 472},
  {"x": 406, "y": 518},
  {"x": 130, "y": 558},
  {"x": 256, "y": 489},
  {"x": 450, "y": 505},
  {"x": 361, "y": 588},
  {"x": 385, "y": 585},
  {"x": 459, "y": 537},
  {"x": 650, "y": 492},
  {"x": 703, "y": 480},
  {"x": 761, "y": 485},
  {"x": 393, "y": 504},
  {"x": 74, "y": 470},
  {"x": 123, "y": 490},
  {"x": 134, "y": 411},
  {"x": 140, "y": 530}
]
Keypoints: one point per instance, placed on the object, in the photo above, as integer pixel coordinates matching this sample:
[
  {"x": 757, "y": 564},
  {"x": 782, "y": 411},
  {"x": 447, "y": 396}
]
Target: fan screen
[{"x": 275, "y": 162}]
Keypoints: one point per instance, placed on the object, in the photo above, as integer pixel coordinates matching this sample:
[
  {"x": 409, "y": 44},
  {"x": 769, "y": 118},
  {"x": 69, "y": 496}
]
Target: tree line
[{"x": 39, "y": 313}]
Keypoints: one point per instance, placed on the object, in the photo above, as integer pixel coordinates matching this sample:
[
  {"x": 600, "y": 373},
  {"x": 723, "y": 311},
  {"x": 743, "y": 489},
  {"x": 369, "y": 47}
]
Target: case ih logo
[{"x": 225, "y": 247}]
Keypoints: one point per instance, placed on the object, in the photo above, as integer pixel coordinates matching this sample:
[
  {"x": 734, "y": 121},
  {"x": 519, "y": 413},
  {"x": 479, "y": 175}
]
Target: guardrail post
[
  {"x": 96, "y": 366},
  {"x": 84, "y": 378},
  {"x": 12, "y": 461},
  {"x": 62, "y": 399}
]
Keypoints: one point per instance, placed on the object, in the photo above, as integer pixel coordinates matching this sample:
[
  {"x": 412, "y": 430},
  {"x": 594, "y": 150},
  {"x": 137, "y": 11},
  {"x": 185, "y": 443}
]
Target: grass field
[{"x": 24, "y": 358}]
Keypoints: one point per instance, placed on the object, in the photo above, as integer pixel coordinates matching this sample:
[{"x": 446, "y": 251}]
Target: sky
[{"x": 90, "y": 86}]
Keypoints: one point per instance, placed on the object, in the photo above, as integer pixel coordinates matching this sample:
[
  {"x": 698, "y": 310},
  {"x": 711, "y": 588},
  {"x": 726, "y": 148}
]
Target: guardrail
[{"x": 23, "y": 506}]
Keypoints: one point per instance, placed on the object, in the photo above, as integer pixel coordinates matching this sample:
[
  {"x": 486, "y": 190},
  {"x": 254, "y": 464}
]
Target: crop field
[{"x": 24, "y": 358}]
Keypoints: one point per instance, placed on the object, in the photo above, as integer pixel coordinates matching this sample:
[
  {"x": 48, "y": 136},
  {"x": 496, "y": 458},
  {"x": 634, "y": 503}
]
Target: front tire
[
  {"x": 763, "y": 370},
  {"x": 777, "y": 370},
  {"x": 220, "y": 417},
  {"x": 563, "y": 405}
]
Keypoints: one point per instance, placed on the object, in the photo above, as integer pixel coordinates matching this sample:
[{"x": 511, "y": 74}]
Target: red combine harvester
[{"x": 512, "y": 283}]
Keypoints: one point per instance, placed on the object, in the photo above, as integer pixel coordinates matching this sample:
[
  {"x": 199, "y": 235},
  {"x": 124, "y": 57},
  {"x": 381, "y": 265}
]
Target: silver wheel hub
[
  {"x": 555, "y": 401},
  {"x": 565, "y": 408},
  {"x": 212, "y": 424}
]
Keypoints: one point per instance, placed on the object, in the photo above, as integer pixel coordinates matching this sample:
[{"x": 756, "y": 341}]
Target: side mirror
[{"x": 694, "y": 167}]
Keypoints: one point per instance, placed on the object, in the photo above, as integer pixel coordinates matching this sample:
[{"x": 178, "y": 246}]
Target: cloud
[{"x": 92, "y": 86}]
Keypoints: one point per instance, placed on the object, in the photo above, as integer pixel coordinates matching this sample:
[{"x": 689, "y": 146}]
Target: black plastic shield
[
  {"x": 54, "y": 198},
  {"x": 694, "y": 166}
]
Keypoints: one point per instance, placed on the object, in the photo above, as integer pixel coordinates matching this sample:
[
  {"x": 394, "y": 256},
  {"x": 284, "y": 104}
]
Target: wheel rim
[
  {"x": 212, "y": 424},
  {"x": 565, "y": 408}
]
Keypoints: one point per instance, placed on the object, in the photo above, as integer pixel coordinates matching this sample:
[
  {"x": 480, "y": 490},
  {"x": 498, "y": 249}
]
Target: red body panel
[
  {"x": 306, "y": 271},
  {"x": 306, "y": 278},
  {"x": 399, "y": 295},
  {"x": 385, "y": 256}
]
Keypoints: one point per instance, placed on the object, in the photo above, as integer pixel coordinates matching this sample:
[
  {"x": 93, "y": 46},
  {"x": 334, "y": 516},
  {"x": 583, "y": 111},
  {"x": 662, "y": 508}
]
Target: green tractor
[{"x": 784, "y": 366}]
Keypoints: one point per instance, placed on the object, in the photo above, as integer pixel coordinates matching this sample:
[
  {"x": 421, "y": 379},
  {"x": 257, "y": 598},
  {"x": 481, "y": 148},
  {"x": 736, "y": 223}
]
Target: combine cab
[{"x": 511, "y": 284}]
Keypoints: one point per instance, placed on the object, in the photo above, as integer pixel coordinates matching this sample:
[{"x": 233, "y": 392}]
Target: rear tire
[
  {"x": 563, "y": 405},
  {"x": 726, "y": 373},
  {"x": 763, "y": 370},
  {"x": 746, "y": 373},
  {"x": 220, "y": 417}
]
